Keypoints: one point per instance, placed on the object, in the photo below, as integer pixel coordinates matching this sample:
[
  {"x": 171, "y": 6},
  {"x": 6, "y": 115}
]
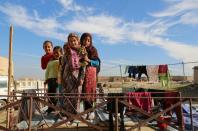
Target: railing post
[
  {"x": 30, "y": 114},
  {"x": 116, "y": 113},
  {"x": 181, "y": 122},
  {"x": 191, "y": 116}
]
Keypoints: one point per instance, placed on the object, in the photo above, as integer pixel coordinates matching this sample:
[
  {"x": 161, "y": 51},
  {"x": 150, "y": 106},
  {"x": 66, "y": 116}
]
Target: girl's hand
[
  {"x": 81, "y": 82},
  {"x": 87, "y": 59}
]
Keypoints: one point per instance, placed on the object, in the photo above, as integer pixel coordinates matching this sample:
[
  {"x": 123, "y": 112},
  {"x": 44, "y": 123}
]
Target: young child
[
  {"x": 73, "y": 76},
  {"x": 48, "y": 47},
  {"x": 92, "y": 69},
  {"x": 51, "y": 75}
]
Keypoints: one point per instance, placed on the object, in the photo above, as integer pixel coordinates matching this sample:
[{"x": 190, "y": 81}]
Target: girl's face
[
  {"x": 74, "y": 43},
  {"x": 48, "y": 48},
  {"x": 56, "y": 54},
  {"x": 87, "y": 41},
  {"x": 64, "y": 49}
]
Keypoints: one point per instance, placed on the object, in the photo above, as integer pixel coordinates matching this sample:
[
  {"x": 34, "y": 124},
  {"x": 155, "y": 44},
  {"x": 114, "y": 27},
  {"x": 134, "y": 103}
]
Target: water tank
[{"x": 195, "y": 74}]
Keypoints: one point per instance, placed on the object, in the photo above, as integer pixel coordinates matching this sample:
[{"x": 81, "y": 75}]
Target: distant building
[{"x": 29, "y": 83}]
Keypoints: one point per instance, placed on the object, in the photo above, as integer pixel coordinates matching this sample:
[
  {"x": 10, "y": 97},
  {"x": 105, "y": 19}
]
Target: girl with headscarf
[
  {"x": 72, "y": 75},
  {"x": 91, "y": 71}
]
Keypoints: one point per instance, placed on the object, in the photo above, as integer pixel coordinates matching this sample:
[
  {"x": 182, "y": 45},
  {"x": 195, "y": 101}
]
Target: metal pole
[
  {"x": 30, "y": 114},
  {"x": 183, "y": 69},
  {"x": 120, "y": 70},
  {"x": 191, "y": 116},
  {"x": 37, "y": 85},
  {"x": 9, "y": 74},
  {"x": 121, "y": 73}
]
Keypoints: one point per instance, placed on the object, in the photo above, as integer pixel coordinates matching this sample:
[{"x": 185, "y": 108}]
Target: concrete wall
[
  {"x": 127, "y": 79},
  {"x": 4, "y": 66},
  {"x": 195, "y": 78},
  {"x": 182, "y": 78}
]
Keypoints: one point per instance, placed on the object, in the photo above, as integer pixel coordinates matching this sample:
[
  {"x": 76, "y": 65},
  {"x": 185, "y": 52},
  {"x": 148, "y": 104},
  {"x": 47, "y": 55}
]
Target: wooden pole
[
  {"x": 9, "y": 74},
  {"x": 116, "y": 114}
]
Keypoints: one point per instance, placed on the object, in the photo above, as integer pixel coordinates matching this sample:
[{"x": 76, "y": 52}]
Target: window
[
  {"x": 23, "y": 84},
  {"x": 29, "y": 84},
  {"x": 3, "y": 84}
]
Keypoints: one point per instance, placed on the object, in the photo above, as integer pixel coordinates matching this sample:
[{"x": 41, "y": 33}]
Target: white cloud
[
  {"x": 190, "y": 18},
  {"x": 110, "y": 28},
  {"x": 114, "y": 30},
  {"x": 19, "y": 16},
  {"x": 70, "y": 5},
  {"x": 178, "y": 8}
]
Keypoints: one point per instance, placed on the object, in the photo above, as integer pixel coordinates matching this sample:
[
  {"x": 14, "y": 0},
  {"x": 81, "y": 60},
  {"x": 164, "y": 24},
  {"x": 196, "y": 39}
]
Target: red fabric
[
  {"x": 162, "y": 126},
  {"x": 90, "y": 83},
  {"x": 143, "y": 103},
  {"x": 171, "y": 101},
  {"x": 45, "y": 59},
  {"x": 163, "y": 69}
]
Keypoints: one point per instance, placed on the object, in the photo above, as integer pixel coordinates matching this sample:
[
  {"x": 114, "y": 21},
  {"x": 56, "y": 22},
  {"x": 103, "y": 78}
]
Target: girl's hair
[
  {"x": 83, "y": 36},
  {"x": 65, "y": 44},
  {"x": 47, "y": 41},
  {"x": 58, "y": 48},
  {"x": 72, "y": 35}
]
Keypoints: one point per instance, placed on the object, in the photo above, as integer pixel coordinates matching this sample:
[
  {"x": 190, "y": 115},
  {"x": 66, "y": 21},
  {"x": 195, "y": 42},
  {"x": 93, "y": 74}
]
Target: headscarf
[
  {"x": 91, "y": 50},
  {"x": 67, "y": 46}
]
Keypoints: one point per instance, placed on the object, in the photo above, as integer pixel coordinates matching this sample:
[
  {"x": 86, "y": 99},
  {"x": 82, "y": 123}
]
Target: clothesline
[{"x": 179, "y": 63}]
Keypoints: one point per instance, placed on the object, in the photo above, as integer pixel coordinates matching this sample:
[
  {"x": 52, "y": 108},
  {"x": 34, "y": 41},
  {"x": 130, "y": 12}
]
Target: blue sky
[{"x": 125, "y": 32}]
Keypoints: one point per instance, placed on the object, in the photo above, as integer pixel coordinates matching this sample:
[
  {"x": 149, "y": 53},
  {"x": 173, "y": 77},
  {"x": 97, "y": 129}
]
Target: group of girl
[{"x": 71, "y": 70}]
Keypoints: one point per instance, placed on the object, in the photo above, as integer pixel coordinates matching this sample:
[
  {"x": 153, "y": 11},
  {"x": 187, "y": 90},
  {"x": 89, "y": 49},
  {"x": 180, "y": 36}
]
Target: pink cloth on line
[
  {"x": 152, "y": 71},
  {"x": 143, "y": 103}
]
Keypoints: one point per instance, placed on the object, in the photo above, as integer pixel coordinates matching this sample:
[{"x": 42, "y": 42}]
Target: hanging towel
[
  {"x": 152, "y": 71},
  {"x": 142, "y": 70},
  {"x": 135, "y": 98},
  {"x": 164, "y": 76},
  {"x": 163, "y": 69},
  {"x": 132, "y": 70}
]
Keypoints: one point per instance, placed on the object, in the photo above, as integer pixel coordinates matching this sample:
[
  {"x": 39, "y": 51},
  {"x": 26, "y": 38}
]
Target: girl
[
  {"x": 92, "y": 69},
  {"x": 73, "y": 76},
  {"x": 48, "y": 47},
  {"x": 51, "y": 75}
]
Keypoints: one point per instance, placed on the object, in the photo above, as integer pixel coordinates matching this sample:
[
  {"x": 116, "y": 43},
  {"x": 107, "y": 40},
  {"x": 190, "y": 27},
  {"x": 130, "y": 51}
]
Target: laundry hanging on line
[{"x": 153, "y": 73}]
